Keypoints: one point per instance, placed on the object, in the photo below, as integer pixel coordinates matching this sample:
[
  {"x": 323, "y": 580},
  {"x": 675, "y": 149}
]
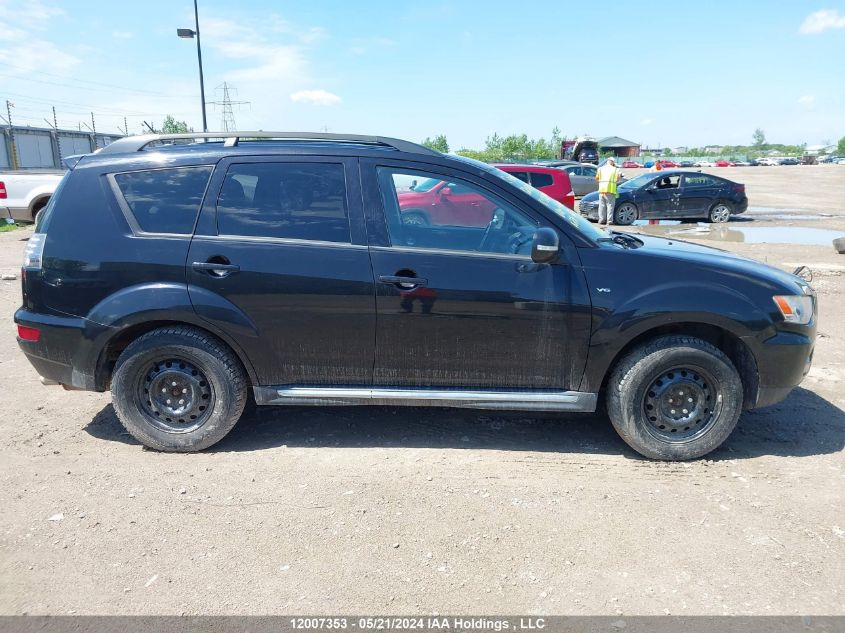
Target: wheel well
[
  {"x": 38, "y": 204},
  {"x": 113, "y": 349},
  {"x": 730, "y": 344}
]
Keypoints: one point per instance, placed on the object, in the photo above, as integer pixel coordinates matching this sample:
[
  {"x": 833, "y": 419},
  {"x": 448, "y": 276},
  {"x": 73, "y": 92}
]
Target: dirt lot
[{"x": 382, "y": 510}]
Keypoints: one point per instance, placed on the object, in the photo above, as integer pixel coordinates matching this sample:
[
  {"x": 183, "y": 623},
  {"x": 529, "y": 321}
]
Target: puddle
[
  {"x": 786, "y": 214},
  {"x": 750, "y": 235}
]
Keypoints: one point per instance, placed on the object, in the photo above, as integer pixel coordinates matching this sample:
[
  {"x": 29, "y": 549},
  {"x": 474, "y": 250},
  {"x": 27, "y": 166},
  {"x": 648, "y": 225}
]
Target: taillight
[
  {"x": 28, "y": 333},
  {"x": 33, "y": 255},
  {"x": 3, "y": 189},
  {"x": 739, "y": 188}
]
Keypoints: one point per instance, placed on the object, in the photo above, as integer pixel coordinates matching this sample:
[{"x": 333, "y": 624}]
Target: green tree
[
  {"x": 759, "y": 138},
  {"x": 840, "y": 147},
  {"x": 172, "y": 126},
  {"x": 438, "y": 143}
]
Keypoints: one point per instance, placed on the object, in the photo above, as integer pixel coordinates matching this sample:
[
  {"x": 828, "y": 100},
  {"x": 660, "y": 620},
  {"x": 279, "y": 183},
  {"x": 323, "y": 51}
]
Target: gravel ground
[{"x": 390, "y": 510}]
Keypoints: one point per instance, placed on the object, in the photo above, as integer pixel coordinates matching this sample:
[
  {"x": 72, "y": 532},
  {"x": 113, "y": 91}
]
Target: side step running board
[{"x": 508, "y": 400}]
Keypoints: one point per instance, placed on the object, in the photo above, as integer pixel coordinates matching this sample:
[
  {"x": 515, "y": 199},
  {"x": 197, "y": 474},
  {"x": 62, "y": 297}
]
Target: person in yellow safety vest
[
  {"x": 608, "y": 176},
  {"x": 657, "y": 166}
]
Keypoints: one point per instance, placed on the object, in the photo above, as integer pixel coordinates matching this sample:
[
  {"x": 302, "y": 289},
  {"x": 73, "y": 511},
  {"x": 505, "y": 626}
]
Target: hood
[
  {"x": 718, "y": 260},
  {"x": 593, "y": 196}
]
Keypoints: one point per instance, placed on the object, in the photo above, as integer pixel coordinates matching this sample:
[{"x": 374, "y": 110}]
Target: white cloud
[
  {"x": 361, "y": 46},
  {"x": 807, "y": 101},
  {"x": 21, "y": 50},
  {"x": 821, "y": 21},
  {"x": 122, "y": 35},
  {"x": 647, "y": 121},
  {"x": 315, "y": 97}
]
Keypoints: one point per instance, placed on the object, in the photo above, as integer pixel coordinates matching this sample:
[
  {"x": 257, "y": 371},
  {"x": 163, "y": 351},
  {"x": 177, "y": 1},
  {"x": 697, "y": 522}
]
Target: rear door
[
  {"x": 699, "y": 192},
  {"x": 279, "y": 263},
  {"x": 466, "y": 307}
]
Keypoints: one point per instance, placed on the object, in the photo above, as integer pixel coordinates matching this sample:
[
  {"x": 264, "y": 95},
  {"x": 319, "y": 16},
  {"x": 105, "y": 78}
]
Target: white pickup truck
[{"x": 24, "y": 193}]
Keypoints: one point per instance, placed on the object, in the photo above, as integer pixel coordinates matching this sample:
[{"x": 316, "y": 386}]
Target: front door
[
  {"x": 279, "y": 264},
  {"x": 465, "y": 306},
  {"x": 662, "y": 198}
]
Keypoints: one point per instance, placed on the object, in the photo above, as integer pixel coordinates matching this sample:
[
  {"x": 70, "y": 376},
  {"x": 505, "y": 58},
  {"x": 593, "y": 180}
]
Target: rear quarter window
[
  {"x": 162, "y": 200},
  {"x": 541, "y": 180}
]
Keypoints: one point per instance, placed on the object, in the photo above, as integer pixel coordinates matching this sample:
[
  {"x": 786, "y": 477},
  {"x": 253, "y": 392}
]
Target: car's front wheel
[
  {"x": 721, "y": 212},
  {"x": 674, "y": 398},
  {"x": 178, "y": 389},
  {"x": 625, "y": 214}
]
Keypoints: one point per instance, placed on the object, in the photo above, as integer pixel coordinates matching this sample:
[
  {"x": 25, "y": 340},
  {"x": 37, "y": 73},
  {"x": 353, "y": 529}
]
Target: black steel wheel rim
[
  {"x": 681, "y": 404},
  {"x": 175, "y": 396}
]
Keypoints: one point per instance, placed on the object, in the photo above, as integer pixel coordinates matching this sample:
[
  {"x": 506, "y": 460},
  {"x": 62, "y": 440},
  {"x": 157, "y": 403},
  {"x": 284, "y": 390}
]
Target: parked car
[
  {"x": 768, "y": 162},
  {"x": 582, "y": 177},
  {"x": 725, "y": 163},
  {"x": 552, "y": 181},
  {"x": 789, "y": 161},
  {"x": 668, "y": 164},
  {"x": 704, "y": 163},
  {"x": 557, "y": 163},
  {"x": 24, "y": 193},
  {"x": 184, "y": 278},
  {"x": 631, "y": 164},
  {"x": 673, "y": 195},
  {"x": 686, "y": 163}
]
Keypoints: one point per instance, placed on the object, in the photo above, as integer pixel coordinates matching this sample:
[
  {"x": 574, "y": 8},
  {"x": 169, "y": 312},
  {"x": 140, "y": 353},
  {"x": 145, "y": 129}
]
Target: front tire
[
  {"x": 674, "y": 398},
  {"x": 720, "y": 213},
  {"x": 625, "y": 214},
  {"x": 178, "y": 389}
]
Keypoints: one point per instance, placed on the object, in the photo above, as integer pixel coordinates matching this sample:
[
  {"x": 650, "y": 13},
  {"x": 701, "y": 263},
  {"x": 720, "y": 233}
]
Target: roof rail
[{"x": 130, "y": 144}]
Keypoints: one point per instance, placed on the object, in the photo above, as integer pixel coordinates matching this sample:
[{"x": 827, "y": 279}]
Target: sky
[{"x": 661, "y": 74}]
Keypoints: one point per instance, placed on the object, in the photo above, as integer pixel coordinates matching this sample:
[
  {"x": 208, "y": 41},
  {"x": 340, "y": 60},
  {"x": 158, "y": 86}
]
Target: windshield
[
  {"x": 636, "y": 183},
  {"x": 562, "y": 211}
]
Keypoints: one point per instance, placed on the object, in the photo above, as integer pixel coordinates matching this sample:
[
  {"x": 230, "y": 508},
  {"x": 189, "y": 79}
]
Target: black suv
[{"x": 183, "y": 275}]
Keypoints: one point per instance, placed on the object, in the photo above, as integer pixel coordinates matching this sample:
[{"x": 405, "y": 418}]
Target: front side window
[
  {"x": 455, "y": 215},
  {"x": 522, "y": 175},
  {"x": 668, "y": 182},
  {"x": 303, "y": 201},
  {"x": 164, "y": 200}
]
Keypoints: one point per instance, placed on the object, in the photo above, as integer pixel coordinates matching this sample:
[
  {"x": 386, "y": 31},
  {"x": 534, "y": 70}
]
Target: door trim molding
[{"x": 469, "y": 399}]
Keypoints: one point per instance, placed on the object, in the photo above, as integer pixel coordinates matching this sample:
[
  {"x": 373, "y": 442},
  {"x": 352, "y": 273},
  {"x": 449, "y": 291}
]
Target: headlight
[{"x": 795, "y": 308}]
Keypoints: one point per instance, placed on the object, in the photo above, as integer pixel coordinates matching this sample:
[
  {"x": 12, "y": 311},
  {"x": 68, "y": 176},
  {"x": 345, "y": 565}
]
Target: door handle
[
  {"x": 216, "y": 269},
  {"x": 403, "y": 282}
]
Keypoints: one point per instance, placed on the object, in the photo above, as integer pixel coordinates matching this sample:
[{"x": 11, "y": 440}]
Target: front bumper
[
  {"x": 783, "y": 361},
  {"x": 589, "y": 210}
]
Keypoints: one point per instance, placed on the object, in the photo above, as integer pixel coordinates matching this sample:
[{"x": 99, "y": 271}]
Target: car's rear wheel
[
  {"x": 415, "y": 218},
  {"x": 625, "y": 214},
  {"x": 178, "y": 389},
  {"x": 721, "y": 212},
  {"x": 674, "y": 398}
]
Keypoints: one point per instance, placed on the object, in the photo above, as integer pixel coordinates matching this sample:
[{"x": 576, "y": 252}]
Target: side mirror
[
  {"x": 545, "y": 247},
  {"x": 446, "y": 191}
]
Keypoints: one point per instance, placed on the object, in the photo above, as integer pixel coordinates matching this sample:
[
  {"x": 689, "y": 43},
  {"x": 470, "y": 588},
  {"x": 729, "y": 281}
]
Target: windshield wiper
[{"x": 623, "y": 239}]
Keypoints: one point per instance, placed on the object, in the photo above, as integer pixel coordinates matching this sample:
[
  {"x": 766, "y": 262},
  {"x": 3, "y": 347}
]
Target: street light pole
[
  {"x": 188, "y": 34},
  {"x": 199, "y": 59}
]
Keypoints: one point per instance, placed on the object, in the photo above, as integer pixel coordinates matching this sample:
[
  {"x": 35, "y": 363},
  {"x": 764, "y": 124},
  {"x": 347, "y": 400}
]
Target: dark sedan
[{"x": 672, "y": 195}]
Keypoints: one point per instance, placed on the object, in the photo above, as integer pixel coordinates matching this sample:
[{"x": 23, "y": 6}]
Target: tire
[
  {"x": 646, "y": 384},
  {"x": 184, "y": 361},
  {"x": 415, "y": 218},
  {"x": 625, "y": 214},
  {"x": 38, "y": 208},
  {"x": 720, "y": 213}
]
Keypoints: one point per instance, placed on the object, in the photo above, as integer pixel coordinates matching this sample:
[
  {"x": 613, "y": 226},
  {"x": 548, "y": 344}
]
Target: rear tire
[
  {"x": 178, "y": 389},
  {"x": 720, "y": 213},
  {"x": 415, "y": 218},
  {"x": 674, "y": 398}
]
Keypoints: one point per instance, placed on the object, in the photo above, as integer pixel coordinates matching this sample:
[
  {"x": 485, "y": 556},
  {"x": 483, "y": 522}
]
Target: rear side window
[
  {"x": 522, "y": 175},
  {"x": 541, "y": 180},
  {"x": 305, "y": 201},
  {"x": 162, "y": 200},
  {"x": 699, "y": 180}
]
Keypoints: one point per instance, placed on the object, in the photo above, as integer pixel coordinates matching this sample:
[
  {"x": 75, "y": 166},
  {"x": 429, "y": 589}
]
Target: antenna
[{"x": 227, "y": 120}]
